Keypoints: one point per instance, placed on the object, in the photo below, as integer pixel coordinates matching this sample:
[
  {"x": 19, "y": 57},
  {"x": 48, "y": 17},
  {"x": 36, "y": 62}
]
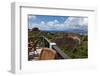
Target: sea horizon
[{"x": 81, "y": 32}]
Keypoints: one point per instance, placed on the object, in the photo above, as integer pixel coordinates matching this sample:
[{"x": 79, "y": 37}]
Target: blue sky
[{"x": 44, "y": 22}]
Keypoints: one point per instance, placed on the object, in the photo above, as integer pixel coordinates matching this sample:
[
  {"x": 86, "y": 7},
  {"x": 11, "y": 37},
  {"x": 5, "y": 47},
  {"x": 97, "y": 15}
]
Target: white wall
[{"x": 5, "y": 32}]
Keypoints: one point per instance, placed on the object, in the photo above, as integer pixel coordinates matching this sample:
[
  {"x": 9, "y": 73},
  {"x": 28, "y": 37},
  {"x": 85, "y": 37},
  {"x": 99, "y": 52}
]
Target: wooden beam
[{"x": 58, "y": 50}]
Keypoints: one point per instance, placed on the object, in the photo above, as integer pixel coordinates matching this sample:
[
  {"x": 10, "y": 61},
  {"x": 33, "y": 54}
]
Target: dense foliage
[{"x": 79, "y": 51}]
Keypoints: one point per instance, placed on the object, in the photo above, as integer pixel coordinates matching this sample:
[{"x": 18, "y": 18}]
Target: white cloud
[
  {"x": 76, "y": 22},
  {"x": 42, "y": 22},
  {"x": 85, "y": 21},
  {"x": 53, "y": 25},
  {"x": 42, "y": 25},
  {"x": 56, "y": 21},
  {"x": 70, "y": 23},
  {"x": 32, "y": 18},
  {"x": 50, "y": 23}
]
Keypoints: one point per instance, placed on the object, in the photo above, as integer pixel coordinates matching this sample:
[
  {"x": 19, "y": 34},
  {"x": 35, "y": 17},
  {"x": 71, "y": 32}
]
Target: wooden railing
[
  {"x": 46, "y": 43},
  {"x": 60, "y": 53}
]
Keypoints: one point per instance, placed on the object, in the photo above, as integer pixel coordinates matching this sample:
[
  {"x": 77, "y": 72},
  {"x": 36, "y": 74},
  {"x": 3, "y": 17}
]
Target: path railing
[
  {"x": 44, "y": 42},
  {"x": 60, "y": 53}
]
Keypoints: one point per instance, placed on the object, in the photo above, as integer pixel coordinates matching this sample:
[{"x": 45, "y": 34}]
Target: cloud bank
[{"x": 69, "y": 23}]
